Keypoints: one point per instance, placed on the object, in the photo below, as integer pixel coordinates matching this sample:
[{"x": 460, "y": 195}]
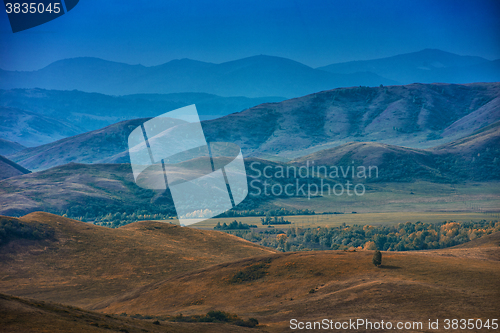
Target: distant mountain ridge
[
  {"x": 91, "y": 111},
  {"x": 9, "y": 147},
  {"x": 426, "y": 66},
  {"x": 107, "y": 145},
  {"x": 257, "y": 76},
  {"x": 33, "y": 129}
]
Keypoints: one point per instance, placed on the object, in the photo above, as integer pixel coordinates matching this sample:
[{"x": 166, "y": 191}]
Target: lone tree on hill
[{"x": 377, "y": 258}]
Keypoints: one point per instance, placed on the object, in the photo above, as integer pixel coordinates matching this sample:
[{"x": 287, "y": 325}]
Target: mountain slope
[
  {"x": 81, "y": 190},
  {"x": 32, "y": 129},
  {"x": 91, "y": 111},
  {"x": 10, "y": 169},
  {"x": 413, "y": 116},
  {"x": 9, "y": 147},
  {"x": 481, "y": 141},
  {"x": 83, "y": 264},
  {"x": 257, "y": 76},
  {"x": 418, "y": 116},
  {"x": 156, "y": 269},
  {"x": 98, "y": 189},
  {"x": 475, "y": 157},
  {"x": 28, "y": 315},
  {"x": 92, "y": 147},
  {"x": 426, "y": 66}
]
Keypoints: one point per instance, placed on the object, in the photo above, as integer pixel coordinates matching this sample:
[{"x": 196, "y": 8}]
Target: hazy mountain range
[
  {"x": 257, "y": 76},
  {"x": 418, "y": 116},
  {"x": 9, "y": 147},
  {"x": 75, "y": 112},
  {"x": 436, "y": 146},
  {"x": 426, "y": 66},
  {"x": 33, "y": 129}
]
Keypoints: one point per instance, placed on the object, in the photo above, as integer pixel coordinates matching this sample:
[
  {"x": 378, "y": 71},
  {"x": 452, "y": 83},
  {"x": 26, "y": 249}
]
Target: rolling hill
[
  {"x": 80, "y": 190},
  {"x": 331, "y": 284},
  {"x": 27, "y": 315},
  {"x": 161, "y": 270},
  {"x": 10, "y": 169},
  {"x": 9, "y": 147},
  {"x": 426, "y": 66},
  {"x": 474, "y": 157},
  {"x": 258, "y": 76},
  {"x": 166, "y": 270},
  {"x": 488, "y": 241},
  {"x": 97, "y": 189},
  {"x": 82, "y": 264}
]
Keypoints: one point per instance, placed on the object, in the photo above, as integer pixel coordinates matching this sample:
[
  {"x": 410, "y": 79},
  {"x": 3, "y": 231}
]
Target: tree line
[{"x": 400, "y": 237}]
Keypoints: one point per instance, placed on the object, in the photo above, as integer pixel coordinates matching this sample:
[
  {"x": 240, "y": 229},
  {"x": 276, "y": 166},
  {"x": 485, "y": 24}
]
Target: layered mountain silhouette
[
  {"x": 257, "y": 76},
  {"x": 91, "y": 111},
  {"x": 418, "y": 116},
  {"x": 426, "y": 66},
  {"x": 106, "y": 145},
  {"x": 33, "y": 129}
]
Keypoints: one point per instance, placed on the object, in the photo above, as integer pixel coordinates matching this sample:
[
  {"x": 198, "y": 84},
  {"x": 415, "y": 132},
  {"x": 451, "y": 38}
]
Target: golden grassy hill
[
  {"x": 85, "y": 264},
  {"x": 159, "y": 269},
  {"x": 25, "y": 315},
  {"x": 492, "y": 240},
  {"x": 409, "y": 286}
]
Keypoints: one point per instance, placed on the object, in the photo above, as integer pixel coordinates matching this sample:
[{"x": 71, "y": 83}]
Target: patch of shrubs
[
  {"x": 268, "y": 220},
  {"x": 235, "y": 225},
  {"x": 251, "y": 273},
  {"x": 216, "y": 317},
  {"x": 274, "y": 212},
  {"x": 138, "y": 316},
  {"x": 11, "y": 229}
]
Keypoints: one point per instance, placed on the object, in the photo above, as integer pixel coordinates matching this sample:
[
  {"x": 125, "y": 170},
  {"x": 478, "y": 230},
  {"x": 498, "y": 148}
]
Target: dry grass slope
[
  {"x": 409, "y": 286},
  {"x": 25, "y": 315},
  {"x": 87, "y": 264},
  {"x": 159, "y": 269}
]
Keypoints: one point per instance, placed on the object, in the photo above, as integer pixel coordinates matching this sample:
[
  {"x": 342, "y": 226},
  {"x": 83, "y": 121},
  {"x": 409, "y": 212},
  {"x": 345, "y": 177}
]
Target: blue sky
[{"x": 313, "y": 32}]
